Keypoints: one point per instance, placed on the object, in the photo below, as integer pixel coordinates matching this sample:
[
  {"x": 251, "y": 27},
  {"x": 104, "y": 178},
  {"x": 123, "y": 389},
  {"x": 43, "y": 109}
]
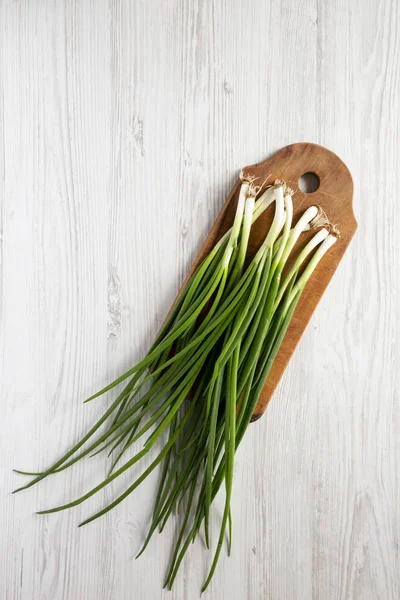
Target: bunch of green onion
[{"x": 202, "y": 377}]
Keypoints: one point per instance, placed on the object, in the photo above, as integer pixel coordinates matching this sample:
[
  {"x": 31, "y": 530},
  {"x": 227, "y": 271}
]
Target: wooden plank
[
  {"x": 123, "y": 126},
  {"x": 334, "y": 195}
]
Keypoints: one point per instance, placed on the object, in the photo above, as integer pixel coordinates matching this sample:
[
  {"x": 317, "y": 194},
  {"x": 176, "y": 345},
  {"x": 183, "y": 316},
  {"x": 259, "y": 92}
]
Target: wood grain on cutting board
[{"x": 334, "y": 195}]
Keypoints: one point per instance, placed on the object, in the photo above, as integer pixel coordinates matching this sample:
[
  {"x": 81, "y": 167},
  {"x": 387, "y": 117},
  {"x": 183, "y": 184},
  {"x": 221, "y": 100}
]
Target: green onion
[{"x": 202, "y": 377}]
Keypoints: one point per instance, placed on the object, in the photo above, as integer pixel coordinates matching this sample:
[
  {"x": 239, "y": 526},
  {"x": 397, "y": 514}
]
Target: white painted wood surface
[{"x": 123, "y": 127}]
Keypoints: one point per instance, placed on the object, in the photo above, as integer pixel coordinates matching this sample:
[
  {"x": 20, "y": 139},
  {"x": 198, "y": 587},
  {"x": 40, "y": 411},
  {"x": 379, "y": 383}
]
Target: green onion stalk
[{"x": 202, "y": 377}]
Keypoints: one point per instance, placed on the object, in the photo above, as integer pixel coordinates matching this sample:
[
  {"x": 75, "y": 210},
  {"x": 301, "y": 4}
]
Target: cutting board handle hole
[{"x": 309, "y": 182}]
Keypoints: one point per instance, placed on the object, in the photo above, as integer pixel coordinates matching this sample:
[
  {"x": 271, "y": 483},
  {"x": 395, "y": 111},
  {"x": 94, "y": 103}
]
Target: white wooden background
[{"x": 123, "y": 127}]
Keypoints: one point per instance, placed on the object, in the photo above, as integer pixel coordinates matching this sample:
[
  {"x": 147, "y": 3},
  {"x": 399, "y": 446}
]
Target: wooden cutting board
[{"x": 334, "y": 195}]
